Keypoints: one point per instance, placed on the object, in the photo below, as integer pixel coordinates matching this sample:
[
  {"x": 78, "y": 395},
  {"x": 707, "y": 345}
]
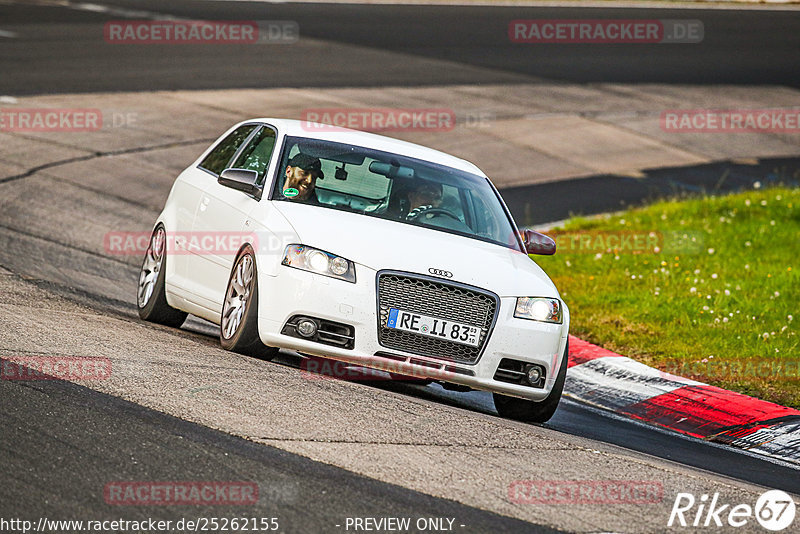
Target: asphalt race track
[
  {"x": 469, "y": 45},
  {"x": 102, "y": 434},
  {"x": 180, "y": 408}
]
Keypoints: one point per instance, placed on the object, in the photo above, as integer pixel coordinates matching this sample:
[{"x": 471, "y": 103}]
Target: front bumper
[{"x": 294, "y": 292}]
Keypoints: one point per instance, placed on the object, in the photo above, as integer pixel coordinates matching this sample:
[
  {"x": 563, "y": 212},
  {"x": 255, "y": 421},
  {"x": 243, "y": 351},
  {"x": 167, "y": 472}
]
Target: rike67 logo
[{"x": 774, "y": 510}]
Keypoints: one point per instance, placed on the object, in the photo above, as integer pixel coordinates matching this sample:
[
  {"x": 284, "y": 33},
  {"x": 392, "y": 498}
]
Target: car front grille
[{"x": 443, "y": 300}]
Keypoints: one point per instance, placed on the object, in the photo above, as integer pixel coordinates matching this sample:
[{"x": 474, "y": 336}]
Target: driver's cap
[{"x": 307, "y": 163}]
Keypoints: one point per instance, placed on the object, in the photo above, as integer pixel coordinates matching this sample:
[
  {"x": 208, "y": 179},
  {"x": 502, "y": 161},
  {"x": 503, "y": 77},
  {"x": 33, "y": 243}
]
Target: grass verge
[{"x": 705, "y": 288}]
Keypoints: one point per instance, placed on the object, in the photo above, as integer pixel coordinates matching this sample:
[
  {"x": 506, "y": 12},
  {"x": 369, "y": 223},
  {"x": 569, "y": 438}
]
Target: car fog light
[
  {"x": 306, "y": 327},
  {"x": 533, "y": 375}
]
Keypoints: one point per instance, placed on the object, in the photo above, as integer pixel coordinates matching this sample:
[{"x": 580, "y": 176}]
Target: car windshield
[{"x": 389, "y": 186}]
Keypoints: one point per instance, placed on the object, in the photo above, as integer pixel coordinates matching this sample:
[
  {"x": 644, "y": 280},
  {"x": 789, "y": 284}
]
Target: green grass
[{"x": 714, "y": 296}]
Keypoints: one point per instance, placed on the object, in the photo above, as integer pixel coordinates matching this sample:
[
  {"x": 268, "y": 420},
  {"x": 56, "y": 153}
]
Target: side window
[
  {"x": 256, "y": 155},
  {"x": 217, "y": 160}
]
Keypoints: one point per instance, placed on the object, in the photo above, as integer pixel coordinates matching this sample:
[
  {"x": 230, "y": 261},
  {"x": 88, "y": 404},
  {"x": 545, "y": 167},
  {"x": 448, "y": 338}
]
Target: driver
[
  {"x": 424, "y": 196},
  {"x": 301, "y": 176}
]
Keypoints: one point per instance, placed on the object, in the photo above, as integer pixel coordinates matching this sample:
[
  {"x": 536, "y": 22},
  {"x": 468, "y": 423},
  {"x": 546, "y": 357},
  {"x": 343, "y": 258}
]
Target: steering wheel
[{"x": 435, "y": 211}]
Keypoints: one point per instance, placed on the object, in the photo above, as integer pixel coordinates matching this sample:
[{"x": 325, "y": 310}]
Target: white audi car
[{"x": 365, "y": 249}]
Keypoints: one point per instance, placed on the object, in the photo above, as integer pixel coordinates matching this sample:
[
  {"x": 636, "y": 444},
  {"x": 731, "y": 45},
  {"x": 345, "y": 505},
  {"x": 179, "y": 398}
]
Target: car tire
[
  {"x": 238, "y": 330},
  {"x": 531, "y": 411},
  {"x": 151, "y": 298}
]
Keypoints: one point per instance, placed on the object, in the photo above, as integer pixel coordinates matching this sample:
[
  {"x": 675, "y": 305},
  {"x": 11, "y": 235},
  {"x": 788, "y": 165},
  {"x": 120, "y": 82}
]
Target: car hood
[{"x": 380, "y": 244}]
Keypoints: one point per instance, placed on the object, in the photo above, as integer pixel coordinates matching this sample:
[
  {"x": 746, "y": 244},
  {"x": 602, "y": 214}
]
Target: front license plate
[{"x": 433, "y": 327}]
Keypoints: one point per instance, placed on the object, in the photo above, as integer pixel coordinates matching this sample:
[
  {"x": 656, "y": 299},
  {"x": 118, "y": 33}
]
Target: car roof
[{"x": 380, "y": 142}]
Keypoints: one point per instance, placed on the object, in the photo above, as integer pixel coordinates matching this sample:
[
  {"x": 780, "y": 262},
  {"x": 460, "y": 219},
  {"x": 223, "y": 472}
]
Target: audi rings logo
[{"x": 440, "y": 272}]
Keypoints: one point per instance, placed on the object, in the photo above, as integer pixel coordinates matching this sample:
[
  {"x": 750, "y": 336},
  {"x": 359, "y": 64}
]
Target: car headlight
[
  {"x": 539, "y": 309},
  {"x": 320, "y": 262}
]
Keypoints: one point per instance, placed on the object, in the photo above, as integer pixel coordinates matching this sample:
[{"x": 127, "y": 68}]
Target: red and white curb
[{"x": 614, "y": 382}]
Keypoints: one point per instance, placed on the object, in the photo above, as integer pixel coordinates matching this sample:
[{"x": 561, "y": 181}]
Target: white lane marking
[
  {"x": 10, "y": 35},
  {"x": 121, "y": 11},
  {"x": 91, "y": 7}
]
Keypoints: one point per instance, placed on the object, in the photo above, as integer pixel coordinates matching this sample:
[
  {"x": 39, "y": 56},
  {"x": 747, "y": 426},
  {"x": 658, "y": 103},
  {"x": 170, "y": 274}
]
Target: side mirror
[
  {"x": 538, "y": 243},
  {"x": 240, "y": 179}
]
